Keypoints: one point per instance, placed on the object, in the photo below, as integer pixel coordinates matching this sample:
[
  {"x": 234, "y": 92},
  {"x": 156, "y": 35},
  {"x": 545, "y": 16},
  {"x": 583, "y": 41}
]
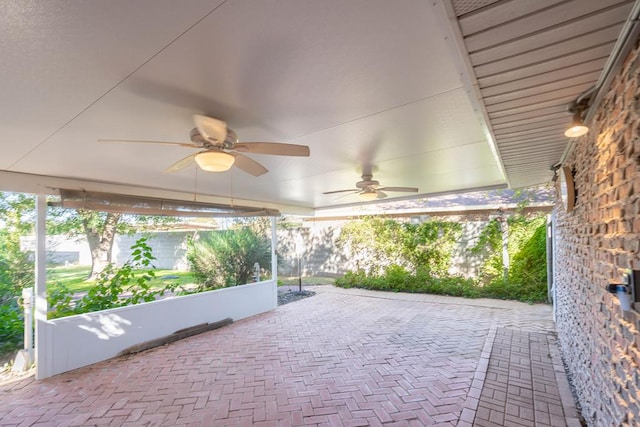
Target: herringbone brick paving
[
  {"x": 340, "y": 358},
  {"x": 520, "y": 388}
]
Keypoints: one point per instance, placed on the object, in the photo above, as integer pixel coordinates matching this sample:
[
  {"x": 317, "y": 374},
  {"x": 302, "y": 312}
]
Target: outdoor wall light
[
  {"x": 627, "y": 291},
  {"x": 215, "y": 161},
  {"x": 578, "y": 128}
]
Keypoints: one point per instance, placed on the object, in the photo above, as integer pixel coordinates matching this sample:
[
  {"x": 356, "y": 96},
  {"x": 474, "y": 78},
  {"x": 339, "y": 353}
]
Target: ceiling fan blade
[
  {"x": 401, "y": 189},
  {"x": 210, "y": 128},
  {"x": 273, "y": 148},
  {"x": 181, "y": 164},
  {"x": 248, "y": 165},
  {"x": 126, "y": 141},
  {"x": 341, "y": 191}
]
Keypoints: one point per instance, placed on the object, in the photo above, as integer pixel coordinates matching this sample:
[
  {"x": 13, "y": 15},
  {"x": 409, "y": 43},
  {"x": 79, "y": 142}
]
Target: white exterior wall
[{"x": 76, "y": 341}]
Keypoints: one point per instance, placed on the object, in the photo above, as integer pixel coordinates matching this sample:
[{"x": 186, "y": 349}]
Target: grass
[
  {"x": 75, "y": 277},
  {"x": 293, "y": 281}
]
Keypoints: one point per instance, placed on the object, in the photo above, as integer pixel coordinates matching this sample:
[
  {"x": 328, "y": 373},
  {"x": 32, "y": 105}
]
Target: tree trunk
[
  {"x": 504, "y": 226},
  {"x": 100, "y": 238}
]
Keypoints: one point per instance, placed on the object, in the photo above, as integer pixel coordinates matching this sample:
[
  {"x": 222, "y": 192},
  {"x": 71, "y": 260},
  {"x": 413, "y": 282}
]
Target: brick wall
[{"x": 594, "y": 243}]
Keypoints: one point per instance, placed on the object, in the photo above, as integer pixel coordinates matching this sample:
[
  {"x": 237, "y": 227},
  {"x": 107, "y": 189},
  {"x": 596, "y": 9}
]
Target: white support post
[
  {"x": 41, "y": 288},
  {"x": 274, "y": 259},
  {"x": 24, "y": 357}
]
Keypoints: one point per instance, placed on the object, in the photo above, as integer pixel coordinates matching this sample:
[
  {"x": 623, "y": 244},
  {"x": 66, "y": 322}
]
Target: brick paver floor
[{"x": 344, "y": 357}]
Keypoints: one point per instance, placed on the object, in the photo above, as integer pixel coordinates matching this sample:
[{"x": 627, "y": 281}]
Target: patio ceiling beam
[
  {"x": 109, "y": 202},
  {"x": 36, "y": 184}
]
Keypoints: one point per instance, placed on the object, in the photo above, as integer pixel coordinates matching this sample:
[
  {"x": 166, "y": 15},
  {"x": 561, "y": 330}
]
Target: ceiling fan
[
  {"x": 370, "y": 189},
  {"x": 220, "y": 148}
]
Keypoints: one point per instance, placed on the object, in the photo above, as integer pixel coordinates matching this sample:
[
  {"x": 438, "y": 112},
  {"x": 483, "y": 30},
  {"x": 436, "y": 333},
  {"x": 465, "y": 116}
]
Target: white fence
[{"x": 76, "y": 341}]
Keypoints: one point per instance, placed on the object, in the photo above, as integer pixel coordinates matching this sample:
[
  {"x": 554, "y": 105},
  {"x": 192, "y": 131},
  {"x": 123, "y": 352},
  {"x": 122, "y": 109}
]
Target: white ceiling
[{"x": 361, "y": 82}]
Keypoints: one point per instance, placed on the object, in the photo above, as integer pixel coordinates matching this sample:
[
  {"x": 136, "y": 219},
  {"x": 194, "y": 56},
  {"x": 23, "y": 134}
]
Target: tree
[
  {"x": 101, "y": 234},
  {"x": 100, "y": 230},
  {"x": 16, "y": 266},
  {"x": 17, "y": 218},
  {"x": 17, "y": 213}
]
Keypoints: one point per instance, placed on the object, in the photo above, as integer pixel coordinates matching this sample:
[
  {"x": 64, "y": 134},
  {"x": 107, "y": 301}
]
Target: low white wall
[{"x": 76, "y": 341}]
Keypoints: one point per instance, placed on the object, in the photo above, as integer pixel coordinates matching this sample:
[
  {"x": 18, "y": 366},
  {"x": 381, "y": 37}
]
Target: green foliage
[
  {"x": 376, "y": 244},
  {"x": 226, "y": 258},
  {"x": 115, "y": 287},
  {"x": 72, "y": 222},
  {"x": 397, "y": 279},
  {"x": 428, "y": 246},
  {"x": 11, "y": 326},
  {"x": 414, "y": 258},
  {"x": 16, "y": 267},
  {"x": 527, "y": 276},
  {"x": 521, "y": 229},
  {"x": 74, "y": 277},
  {"x": 529, "y": 267}
]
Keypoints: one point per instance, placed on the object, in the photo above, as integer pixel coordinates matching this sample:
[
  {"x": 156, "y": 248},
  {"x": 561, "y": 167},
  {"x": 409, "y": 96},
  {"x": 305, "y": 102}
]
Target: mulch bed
[{"x": 285, "y": 297}]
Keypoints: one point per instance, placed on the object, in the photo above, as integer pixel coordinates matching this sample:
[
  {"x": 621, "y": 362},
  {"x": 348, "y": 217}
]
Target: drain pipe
[{"x": 27, "y": 301}]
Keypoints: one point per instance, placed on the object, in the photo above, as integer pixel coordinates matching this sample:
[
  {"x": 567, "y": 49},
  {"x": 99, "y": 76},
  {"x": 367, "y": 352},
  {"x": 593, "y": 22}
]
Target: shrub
[
  {"x": 115, "y": 287},
  {"x": 227, "y": 258},
  {"x": 397, "y": 279},
  {"x": 529, "y": 267},
  {"x": 11, "y": 327},
  {"x": 16, "y": 267},
  {"x": 427, "y": 248}
]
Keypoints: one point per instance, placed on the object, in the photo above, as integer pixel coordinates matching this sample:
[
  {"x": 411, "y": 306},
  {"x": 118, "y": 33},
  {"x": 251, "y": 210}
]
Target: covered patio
[
  {"x": 343, "y": 357},
  {"x": 390, "y": 100}
]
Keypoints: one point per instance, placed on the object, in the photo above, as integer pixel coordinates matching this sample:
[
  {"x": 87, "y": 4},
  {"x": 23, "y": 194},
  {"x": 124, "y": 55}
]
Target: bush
[
  {"x": 423, "y": 255},
  {"x": 16, "y": 267},
  {"x": 227, "y": 258},
  {"x": 11, "y": 327},
  {"x": 397, "y": 279},
  {"x": 115, "y": 287}
]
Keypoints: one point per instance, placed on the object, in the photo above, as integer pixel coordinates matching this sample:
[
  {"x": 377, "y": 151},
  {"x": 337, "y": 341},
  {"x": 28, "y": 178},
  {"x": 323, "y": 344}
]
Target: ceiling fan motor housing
[
  {"x": 196, "y": 138},
  {"x": 230, "y": 141},
  {"x": 367, "y": 183}
]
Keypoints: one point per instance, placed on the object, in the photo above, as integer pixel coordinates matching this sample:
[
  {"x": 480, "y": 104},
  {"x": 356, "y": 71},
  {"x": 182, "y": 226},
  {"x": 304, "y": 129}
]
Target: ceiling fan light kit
[
  {"x": 367, "y": 196},
  {"x": 221, "y": 149},
  {"x": 215, "y": 161}
]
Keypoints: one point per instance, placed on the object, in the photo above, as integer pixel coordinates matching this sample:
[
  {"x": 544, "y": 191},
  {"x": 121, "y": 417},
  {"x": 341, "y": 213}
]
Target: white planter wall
[{"x": 76, "y": 341}]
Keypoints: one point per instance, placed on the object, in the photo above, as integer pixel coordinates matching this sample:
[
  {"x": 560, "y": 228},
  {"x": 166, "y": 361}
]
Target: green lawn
[
  {"x": 75, "y": 277},
  {"x": 293, "y": 281}
]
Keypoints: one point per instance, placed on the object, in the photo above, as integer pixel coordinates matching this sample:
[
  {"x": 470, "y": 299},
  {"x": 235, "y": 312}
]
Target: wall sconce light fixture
[{"x": 578, "y": 128}]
